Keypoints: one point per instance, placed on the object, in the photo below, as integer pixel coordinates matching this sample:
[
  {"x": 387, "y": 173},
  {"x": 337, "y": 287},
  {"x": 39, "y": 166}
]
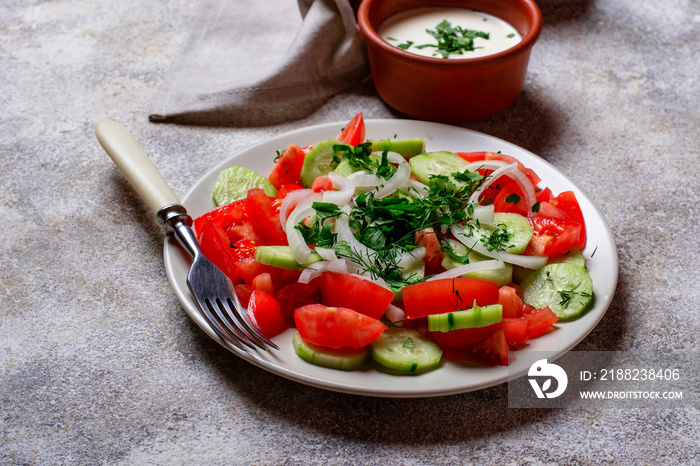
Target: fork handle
[{"x": 133, "y": 162}]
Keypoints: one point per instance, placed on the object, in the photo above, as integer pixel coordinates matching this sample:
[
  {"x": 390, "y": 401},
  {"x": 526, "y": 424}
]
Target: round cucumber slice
[
  {"x": 342, "y": 359},
  {"x": 424, "y": 166},
  {"x": 233, "y": 183},
  {"x": 501, "y": 276},
  {"x": 317, "y": 162},
  {"x": 574, "y": 256},
  {"x": 565, "y": 287},
  {"x": 405, "y": 350},
  {"x": 517, "y": 228}
]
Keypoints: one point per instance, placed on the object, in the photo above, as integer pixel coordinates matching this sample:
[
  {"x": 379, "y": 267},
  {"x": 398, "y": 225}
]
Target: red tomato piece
[
  {"x": 322, "y": 183},
  {"x": 261, "y": 216},
  {"x": 572, "y": 211},
  {"x": 242, "y": 249},
  {"x": 243, "y": 291},
  {"x": 493, "y": 351},
  {"x": 354, "y": 132},
  {"x": 263, "y": 282},
  {"x": 511, "y": 302},
  {"x": 264, "y": 311},
  {"x": 215, "y": 245},
  {"x": 224, "y": 216},
  {"x": 544, "y": 195},
  {"x": 352, "y": 292},
  {"x": 299, "y": 294},
  {"x": 509, "y": 159},
  {"x": 336, "y": 327},
  {"x": 433, "y": 252},
  {"x": 250, "y": 268},
  {"x": 539, "y": 322},
  {"x": 287, "y": 169},
  {"x": 472, "y": 156},
  {"x": 552, "y": 236},
  {"x": 503, "y": 202},
  {"x": 446, "y": 295},
  {"x": 515, "y": 331}
]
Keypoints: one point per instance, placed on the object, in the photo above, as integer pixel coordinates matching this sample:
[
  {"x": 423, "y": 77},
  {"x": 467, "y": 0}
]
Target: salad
[{"x": 379, "y": 250}]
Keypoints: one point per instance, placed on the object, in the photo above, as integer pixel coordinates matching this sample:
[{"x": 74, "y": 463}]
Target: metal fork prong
[
  {"x": 233, "y": 324},
  {"x": 242, "y": 315},
  {"x": 218, "y": 329},
  {"x": 231, "y": 327},
  {"x": 246, "y": 325}
]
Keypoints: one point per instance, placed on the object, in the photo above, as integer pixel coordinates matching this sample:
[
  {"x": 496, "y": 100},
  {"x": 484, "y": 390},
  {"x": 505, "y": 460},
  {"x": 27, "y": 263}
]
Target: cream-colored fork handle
[{"x": 131, "y": 159}]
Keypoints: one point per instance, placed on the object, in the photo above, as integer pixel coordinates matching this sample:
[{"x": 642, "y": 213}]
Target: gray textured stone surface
[{"x": 98, "y": 361}]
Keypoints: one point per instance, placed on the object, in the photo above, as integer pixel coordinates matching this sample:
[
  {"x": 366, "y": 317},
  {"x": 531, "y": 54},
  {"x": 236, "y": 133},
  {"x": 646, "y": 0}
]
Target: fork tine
[
  {"x": 218, "y": 329},
  {"x": 235, "y": 310},
  {"x": 236, "y": 330}
]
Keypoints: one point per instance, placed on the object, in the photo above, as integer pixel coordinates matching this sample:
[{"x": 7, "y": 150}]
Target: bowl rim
[{"x": 527, "y": 41}]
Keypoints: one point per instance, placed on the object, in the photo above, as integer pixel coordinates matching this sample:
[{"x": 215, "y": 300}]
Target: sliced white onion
[
  {"x": 346, "y": 190},
  {"x": 529, "y": 262},
  {"x": 491, "y": 179},
  {"x": 338, "y": 265},
  {"x": 415, "y": 188},
  {"x": 483, "y": 214},
  {"x": 291, "y": 200},
  {"x": 326, "y": 254},
  {"x": 313, "y": 270},
  {"x": 487, "y": 165},
  {"x": 512, "y": 171},
  {"x": 398, "y": 178},
  {"x": 366, "y": 181},
  {"x": 342, "y": 228},
  {"x": 300, "y": 250},
  {"x": 395, "y": 314},
  {"x": 409, "y": 259},
  {"x": 468, "y": 268},
  {"x": 370, "y": 278}
]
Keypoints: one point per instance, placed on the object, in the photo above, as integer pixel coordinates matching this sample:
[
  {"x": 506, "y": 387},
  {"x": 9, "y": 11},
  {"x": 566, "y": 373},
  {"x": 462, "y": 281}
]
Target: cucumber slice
[
  {"x": 501, "y": 276},
  {"x": 574, "y": 256},
  {"x": 517, "y": 227},
  {"x": 233, "y": 184},
  {"x": 478, "y": 316},
  {"x": 424, "y": 166},
  {"x": 317, "y": 162},
  {"x": 565, "y": 287},
  {"x": 344, "y": 168},
  {"x": 281, "y": 257},
  {"x": 406, "y": 147},
  {"x": 343, "y": 359},
  {"x": 405, "y": 350}
]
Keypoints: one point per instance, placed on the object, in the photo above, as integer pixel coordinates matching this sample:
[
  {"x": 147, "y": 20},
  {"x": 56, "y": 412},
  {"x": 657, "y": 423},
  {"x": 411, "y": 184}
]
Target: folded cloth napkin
[{"x": 248, "y": 60}]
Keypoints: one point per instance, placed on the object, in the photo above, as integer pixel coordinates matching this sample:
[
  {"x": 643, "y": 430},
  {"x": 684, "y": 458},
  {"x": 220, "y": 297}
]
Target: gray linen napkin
[{"x": 248, "y": 60}]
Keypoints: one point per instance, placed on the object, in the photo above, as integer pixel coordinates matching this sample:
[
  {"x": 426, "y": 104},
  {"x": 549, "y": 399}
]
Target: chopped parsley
[{"x": 452, "y": 39}]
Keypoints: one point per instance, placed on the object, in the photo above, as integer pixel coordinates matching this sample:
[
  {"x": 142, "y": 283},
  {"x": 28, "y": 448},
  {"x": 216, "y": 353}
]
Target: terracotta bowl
[{"x": 450, "y": 91}]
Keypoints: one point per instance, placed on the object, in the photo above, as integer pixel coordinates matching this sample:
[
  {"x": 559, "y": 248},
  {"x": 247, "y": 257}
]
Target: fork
[{"x": 212, "y": 289}]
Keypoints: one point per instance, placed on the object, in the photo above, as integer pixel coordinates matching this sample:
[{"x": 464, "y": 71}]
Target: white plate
[{"x": 452, "y": 377}]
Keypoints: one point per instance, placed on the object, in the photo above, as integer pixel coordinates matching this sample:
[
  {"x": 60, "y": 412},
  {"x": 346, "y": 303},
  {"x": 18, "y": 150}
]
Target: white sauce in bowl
[{"x": 411, "y": 26}]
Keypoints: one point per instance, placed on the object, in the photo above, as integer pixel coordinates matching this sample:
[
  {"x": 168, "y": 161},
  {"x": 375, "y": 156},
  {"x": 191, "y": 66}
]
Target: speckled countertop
[{"x": 99, "y": 364}]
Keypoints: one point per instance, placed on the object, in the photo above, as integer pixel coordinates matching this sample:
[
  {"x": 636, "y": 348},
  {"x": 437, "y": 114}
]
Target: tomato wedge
[
  {"x": 297, "y": 294},
  {"x": 336, "y": 327},
  {"x": 215, "y": 245},
  {"x": 433, "y": 252},
  {"x": 539, "y": 322},
  {"x": 354, "y": 132},
  {"x": 352, "y": 292},
  {"x": 287, "y": 169},
  {"x": 263, "y": 219},
  {"x": 446, "y": 295},
  {"x": 552, "y": 236},
  {"x": 510, "y": 300},
  {"x": 493, "y": 351},
  {"x": 264, "y": 311}
]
